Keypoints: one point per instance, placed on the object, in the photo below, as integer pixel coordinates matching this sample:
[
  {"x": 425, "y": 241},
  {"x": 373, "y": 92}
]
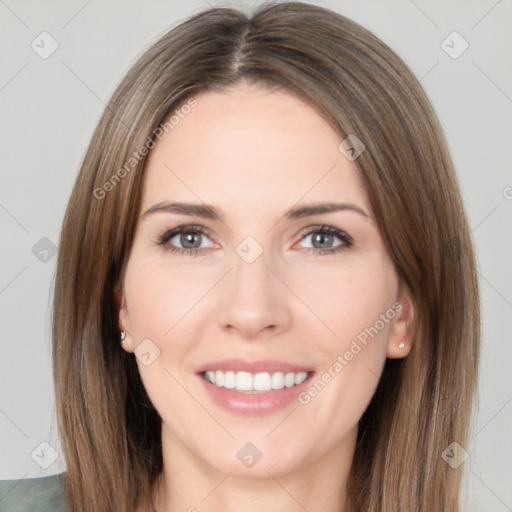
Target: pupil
[
  {"x": 188, "y": 237},
  {"x": 323, "y": 238}
]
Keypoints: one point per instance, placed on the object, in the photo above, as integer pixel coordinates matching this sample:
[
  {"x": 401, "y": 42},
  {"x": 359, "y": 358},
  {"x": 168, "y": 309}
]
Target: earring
[
  {"x": 401, "y": 344},
  {"x": 123, "y": 337}
]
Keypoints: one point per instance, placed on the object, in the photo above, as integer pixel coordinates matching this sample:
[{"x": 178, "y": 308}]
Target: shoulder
[{"x": 45, "y": 494}]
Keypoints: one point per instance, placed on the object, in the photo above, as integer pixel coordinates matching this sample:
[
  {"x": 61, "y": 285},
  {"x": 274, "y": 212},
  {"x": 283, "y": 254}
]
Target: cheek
[
  {"x": 161, "y": 299},
  {"x": 334, "y": 304},
  {"x": 357, "y": 307},
  {"x": 161, "y": 295},
  {"x": 349, "y": 301}
]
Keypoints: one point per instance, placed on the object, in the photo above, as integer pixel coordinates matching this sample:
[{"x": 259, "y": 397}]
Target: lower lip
[{"x": 254, "y": 403}]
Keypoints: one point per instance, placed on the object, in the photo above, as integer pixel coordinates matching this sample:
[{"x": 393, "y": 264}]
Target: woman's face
[{"x": 241, "y": 280}]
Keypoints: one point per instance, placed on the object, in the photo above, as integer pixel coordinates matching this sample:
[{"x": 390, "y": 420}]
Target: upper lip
[{"x": 263, "y": 365}]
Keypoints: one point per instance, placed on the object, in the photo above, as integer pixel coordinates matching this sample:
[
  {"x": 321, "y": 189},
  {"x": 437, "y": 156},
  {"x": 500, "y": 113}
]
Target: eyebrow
[{"x": 211, "y": 212}]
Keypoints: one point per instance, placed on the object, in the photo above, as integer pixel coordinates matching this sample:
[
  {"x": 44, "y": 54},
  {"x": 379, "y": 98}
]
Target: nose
[{"x": 254, "y": 303}]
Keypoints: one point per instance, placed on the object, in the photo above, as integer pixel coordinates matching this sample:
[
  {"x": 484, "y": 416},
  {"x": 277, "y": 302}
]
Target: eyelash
[{"x": 324, "y": 230}]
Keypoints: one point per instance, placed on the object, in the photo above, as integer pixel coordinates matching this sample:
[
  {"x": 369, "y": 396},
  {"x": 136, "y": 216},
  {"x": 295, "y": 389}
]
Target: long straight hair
[{"x": 110, "y": 431}]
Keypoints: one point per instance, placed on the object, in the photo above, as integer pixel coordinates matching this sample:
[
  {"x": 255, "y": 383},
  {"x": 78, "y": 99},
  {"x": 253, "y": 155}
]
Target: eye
[
  {"x": 323, "y": 238},
  {"x": 188, "y": 240},
  {"x": 184, "y": 239}
]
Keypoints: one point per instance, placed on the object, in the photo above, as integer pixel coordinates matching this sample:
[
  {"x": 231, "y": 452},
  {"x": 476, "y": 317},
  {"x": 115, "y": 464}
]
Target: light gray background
[{"x": 49, "y": 108}]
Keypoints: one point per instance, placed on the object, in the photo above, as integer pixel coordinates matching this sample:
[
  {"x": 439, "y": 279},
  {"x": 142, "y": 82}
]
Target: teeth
[
  {"x": 262, "y": 382},
  {"x": 301, "y": 377},
  {"x": 243, "y": 382},
  {"x": 249, "y": 382},
  {"x": 278, "y": 380},
  {"x": 289, "y": 380},
  {"x": 229, "y": 380}
]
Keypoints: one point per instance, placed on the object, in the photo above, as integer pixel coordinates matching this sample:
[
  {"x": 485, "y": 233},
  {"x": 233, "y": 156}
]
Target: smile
[
  {"x": 254, "y": 387},
  {"x": 262, "y": 382}
]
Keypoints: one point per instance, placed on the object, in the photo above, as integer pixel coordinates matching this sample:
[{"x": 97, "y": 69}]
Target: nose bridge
[
  {"x": 251, "y": 299},
  {"x": 250, "y": 270},
  {"x": 251, "y": 280}
]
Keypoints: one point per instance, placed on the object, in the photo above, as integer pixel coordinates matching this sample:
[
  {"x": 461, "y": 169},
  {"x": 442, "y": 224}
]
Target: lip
[
  {"x": 253, "y": 403},
  {"x": 263, "y": 365}
]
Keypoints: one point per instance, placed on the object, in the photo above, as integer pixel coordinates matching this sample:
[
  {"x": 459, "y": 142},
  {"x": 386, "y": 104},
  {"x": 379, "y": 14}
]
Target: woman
[{"x": 205, "y": 356}]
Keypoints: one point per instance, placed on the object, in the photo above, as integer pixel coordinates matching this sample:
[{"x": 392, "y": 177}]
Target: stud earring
[
  {"x": 401, "y": 344},
  {"x": 123, "y": 337}
]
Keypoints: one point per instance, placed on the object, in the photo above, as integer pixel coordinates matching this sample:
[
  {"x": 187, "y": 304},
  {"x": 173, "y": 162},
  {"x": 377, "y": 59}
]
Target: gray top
[{"x": 44, "y": 494}]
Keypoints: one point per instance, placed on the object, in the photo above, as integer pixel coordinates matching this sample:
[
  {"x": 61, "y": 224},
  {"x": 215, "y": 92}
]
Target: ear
[
  {"x": 401, "y": 333},
  {"x": 123, "y": 316}
]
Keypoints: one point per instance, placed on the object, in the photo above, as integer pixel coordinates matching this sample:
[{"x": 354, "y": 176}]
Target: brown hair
[{"x": 110, "y": 432}]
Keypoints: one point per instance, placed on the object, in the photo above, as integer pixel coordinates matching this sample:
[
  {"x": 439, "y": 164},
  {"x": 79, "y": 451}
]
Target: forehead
[{"x": 254, "y": 145}]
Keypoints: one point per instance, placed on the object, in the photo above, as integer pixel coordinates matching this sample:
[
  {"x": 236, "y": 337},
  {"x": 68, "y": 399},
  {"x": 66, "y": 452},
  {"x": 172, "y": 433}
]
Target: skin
[{"x": 253, "y": 154}]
